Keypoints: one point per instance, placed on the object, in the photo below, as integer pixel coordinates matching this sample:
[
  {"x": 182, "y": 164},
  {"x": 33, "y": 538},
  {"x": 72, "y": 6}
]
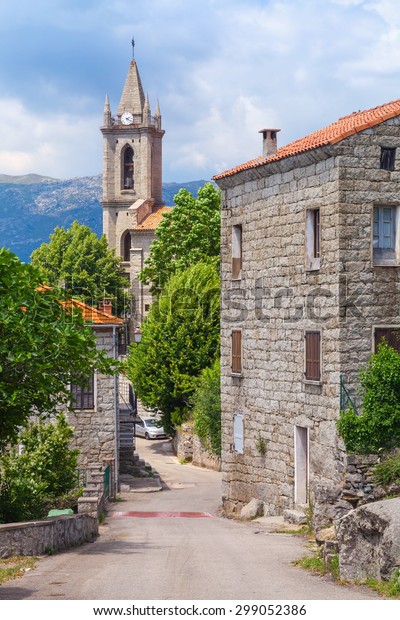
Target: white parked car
[{"x": 149, "y": 428}]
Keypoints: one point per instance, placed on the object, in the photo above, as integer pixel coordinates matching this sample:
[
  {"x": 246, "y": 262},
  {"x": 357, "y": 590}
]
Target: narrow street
[{"x": 170, "y": 555}]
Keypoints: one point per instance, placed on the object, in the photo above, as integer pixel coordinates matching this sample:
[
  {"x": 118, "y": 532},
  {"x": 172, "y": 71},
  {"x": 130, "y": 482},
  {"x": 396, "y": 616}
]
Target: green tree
[
  {"x": 189, "y": 233},
  {"x": 77, "y": 260},
  {"x": 43, "y": 344},
  {"x": 207, "y": 408},
  {"x": 44, "y": 471},
  {"x": 180, "y": 338},
  {"x": 378, "y": 426}
]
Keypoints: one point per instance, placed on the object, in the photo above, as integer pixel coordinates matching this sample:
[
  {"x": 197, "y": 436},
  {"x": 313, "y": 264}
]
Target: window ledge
[
  {"x": 314, "y": 265},
  {"x": 88, "y": 410},
  {"x": 237, "y": 374},
  {"x": 383, "y": 263},
  {"x": 312, "y": 382}
]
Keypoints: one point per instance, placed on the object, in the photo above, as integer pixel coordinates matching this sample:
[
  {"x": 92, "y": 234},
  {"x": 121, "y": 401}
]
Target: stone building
[
  {"x": 96, "y": 405},
  {"x": 132, "y": 181},
  {"x": 310, "y": 283}
]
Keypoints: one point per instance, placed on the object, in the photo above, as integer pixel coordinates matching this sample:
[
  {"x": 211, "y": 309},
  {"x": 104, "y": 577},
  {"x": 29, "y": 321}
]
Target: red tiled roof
[
  {"x": 89, "y": 314},
  {"x": 152, "y": 221},
  {"x": 337, "y": 131},
  {"x": 92, "y": 315}
]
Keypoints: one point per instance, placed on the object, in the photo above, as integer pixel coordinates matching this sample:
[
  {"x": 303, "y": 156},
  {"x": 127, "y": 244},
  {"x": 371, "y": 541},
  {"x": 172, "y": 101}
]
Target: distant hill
[
  {"x": 31, "y": 206},
  {"x": 24, "y": 179}
]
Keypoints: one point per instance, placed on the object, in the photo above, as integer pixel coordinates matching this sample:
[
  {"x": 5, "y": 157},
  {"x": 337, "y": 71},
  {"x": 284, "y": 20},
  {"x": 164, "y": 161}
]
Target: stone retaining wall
[
  {"x": 51, "y": 535},
  {"x": 187, "y": 445},
  {"x": 355, "y": 489}
]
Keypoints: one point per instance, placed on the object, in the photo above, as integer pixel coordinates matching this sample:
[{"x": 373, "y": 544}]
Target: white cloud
[{"x": 45, "y": 145}]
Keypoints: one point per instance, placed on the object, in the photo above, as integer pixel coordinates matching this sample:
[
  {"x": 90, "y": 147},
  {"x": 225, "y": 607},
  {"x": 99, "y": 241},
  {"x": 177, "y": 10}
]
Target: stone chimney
[
  {"x": 269, "y": 141},
  {"x": 105, "y": 306}
]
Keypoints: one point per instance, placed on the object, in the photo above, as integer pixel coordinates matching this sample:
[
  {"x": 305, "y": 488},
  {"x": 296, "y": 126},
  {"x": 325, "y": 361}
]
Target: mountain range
[{"x": 31, "y": 206}]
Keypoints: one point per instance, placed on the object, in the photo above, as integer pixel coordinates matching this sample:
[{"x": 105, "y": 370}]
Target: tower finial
[{"x": 133, "y": 48}]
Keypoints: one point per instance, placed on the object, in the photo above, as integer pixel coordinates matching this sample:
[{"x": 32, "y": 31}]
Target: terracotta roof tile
[
  {"x": 92, "y": 315},
  {"x": 89, "y": 314},
  {"x": 337, "y": 131},
  {"x": 152, "y": 221}
]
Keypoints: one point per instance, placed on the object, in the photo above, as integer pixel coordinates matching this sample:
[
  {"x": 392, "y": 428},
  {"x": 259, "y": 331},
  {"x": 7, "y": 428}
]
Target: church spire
[
  {"x": 107, "y": 113},
  {"x": 146, "y": 111},
  {"x": 132, "y": 99},
  {"x": 157, "y": 116}
]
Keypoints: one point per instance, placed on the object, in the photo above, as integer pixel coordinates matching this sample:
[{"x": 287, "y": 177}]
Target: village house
[
  {"x": 96, "y": 406},
  {"x": 310, "y": 283}
]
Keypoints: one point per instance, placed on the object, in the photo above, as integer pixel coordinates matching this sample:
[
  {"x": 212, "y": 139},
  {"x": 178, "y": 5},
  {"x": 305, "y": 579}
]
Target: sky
[{"x": 221, "y": 70}]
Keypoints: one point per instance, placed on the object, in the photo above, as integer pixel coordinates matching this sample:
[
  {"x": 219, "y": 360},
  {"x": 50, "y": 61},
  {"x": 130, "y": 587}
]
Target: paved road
[{"x": 178, "y": 558}]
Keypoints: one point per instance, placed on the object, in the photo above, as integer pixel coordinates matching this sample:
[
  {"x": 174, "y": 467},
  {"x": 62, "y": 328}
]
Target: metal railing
[
  {"x": 107, "y": 482},
  {"x": 346, "y": 402},
  {"x": 81, "y": 477}
]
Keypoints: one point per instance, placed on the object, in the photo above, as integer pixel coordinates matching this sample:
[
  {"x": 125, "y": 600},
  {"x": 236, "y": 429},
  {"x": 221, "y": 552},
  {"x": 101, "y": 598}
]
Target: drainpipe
[{"x": 116, "y": 429}]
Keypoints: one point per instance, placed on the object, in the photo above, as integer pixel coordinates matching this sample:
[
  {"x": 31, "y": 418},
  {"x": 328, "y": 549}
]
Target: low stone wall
[
  {"x": 356, "y": 489},
  {"x": 187, "y": 445},
  {"x": 48, "y": 536},
  {"x": 204, "y": 458}
]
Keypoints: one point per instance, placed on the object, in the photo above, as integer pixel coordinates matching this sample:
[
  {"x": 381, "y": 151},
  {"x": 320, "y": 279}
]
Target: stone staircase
[{"x": 129, "y": 462}]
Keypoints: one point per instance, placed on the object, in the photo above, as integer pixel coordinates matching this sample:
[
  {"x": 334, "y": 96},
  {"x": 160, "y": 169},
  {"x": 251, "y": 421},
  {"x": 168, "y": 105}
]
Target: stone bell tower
[{"x": 132, "y": 176}]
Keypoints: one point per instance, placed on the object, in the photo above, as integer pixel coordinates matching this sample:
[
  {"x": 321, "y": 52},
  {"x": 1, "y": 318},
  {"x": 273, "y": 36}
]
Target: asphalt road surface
[{"x": 163, "y": 553}]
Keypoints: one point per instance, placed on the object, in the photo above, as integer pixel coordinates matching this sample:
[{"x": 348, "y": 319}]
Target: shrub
[
  {"x": 378, "y": 426},
  {"x": 388, "y": 471},
  {"x": 43, "y": 472},
  {"x": 207, "y": 408}
]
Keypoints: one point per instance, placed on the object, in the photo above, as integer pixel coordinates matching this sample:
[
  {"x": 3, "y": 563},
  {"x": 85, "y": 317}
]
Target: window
[
  {"x": 128, "y": 179},
  {"x": 313, "y": 356},
  {"x": 236, "y": 365},
  {"x": 236, "y": 252},
  {"x": 313, "y": 239},
  {"x": 146, "y": 307},
  {"x": 388, "y": 158},
  {"x": 122, "y": 342},
  {"x": 238, "y": 435},
  {"x": 127, "y": 243},
  {"x": 82, "y": 397},
  {"x": 385, "y": 235},
  {"x": 390, "y": 334}
]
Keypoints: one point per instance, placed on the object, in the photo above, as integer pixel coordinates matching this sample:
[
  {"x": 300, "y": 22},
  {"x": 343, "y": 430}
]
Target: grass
[
  {"x": 388, "y": 589},
  {"x": 316, "y": 564},
  {"x": 301, "y": 531},
  {"x": 313, "y": 563},
  {"x": 14, "y": 567}
]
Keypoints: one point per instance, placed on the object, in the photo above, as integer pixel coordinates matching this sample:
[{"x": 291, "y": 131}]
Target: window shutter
[
  {"x": 236, "y": 252},
  {"x": 313, "y": 356},
  {"x": 238, "y": 442},
  {"x": 316, "y": 226},
  {"x": 236, "y": 351}
]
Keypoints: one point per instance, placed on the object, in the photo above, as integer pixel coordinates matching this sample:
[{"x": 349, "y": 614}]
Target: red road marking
[{"x": 164, "y": 515}]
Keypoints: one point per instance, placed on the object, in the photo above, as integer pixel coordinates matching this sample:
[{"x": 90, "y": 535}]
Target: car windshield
[{"x": 152, "y": 422}]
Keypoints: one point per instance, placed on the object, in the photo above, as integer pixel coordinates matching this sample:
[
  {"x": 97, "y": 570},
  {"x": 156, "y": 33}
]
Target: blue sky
[{"x": 221, "y": 69}]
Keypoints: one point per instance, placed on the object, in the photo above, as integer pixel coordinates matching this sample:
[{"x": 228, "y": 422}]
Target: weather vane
[{"x": 133, "y": 47}]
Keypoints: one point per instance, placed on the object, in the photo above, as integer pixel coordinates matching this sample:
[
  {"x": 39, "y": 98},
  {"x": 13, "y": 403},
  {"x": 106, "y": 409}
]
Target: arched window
[
  {"x": 128, "y": 179},
  {"x": 126, "y": 246}
]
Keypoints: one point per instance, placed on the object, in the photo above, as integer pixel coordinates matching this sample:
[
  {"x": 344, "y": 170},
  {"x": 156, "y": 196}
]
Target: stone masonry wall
[
  {"x": 273, "y": 303},
  {"x": 40, "y": 537},
  {"x": 187, "y": 445},
  {"x": 277, "y": 299},
  {"x": 94, "y": 430}
]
